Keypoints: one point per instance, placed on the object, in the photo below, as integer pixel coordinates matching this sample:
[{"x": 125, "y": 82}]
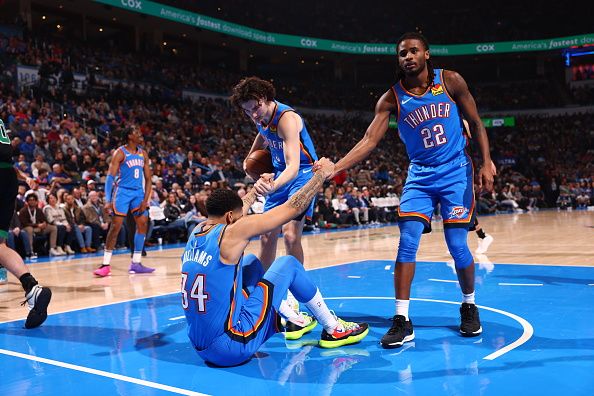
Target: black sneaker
[
  {"x": 400, "y": 332},
  {"x": 470, "y": 323},
  {"x": 37, "y": 301}
]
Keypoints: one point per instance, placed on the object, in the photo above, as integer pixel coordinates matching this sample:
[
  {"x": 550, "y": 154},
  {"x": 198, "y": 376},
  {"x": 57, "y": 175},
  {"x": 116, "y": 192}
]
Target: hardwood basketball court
[{"x": 548, "y": 237}]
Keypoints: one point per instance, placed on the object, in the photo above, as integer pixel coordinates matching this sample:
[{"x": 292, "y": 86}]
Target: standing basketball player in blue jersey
[
  {"x": 429, "y": 104},
  {"x": 232, "y": 307},
  {"x": 284, "y": 133},
  {"x": 128, "y": 171}
]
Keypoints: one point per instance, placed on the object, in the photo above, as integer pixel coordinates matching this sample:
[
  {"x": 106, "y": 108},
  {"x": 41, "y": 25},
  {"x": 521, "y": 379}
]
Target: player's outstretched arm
[
  {"x": 238, "y": 234},
  {"x": 374, "y": 134},
  {"x": 248, "y": 200},
  {"x": 458, "y": 89}
]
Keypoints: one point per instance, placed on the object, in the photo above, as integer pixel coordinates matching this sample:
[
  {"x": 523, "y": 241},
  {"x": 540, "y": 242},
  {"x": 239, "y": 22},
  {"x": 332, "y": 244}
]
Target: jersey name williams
[
  {"x": 197, "y": 256},
  {"x": 427, "y": 112}
]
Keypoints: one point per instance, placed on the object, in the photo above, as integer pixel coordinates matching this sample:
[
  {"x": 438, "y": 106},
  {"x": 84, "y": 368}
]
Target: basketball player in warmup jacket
[
  {"x": 232, "y": 307},
  {"x": 430, "y": 103},
  {"x": 131, "y": 165},
  {"x": 37, "y": 296}
]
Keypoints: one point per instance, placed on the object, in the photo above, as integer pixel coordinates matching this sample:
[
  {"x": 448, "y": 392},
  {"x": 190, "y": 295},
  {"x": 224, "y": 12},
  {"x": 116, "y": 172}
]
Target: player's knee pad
[
  {"x": 410, "y": 236},
  {"x": 456, "y": 239}
]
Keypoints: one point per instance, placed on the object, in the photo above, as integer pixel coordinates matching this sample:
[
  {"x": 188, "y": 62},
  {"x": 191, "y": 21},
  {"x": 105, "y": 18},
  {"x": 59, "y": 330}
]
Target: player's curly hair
[
  {"x": 124, "y": 132},
  {"x": 252, "y": 88},
  {"x": 222, "y": 201},
  {"x": 416, "y": 36}
]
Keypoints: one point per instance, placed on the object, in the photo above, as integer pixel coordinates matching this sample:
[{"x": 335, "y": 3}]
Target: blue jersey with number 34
[{"x": 430, "y": 124}]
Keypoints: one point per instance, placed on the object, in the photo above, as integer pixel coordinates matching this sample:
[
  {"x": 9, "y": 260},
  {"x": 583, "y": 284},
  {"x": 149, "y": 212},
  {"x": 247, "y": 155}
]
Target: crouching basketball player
[{"x": 232, "y": 307}]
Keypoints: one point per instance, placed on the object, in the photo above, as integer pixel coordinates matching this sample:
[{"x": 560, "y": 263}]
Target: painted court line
[
  {"x": 102, "y": 373},
  {"x": 178, "y": 317},
  {"x": 520, "y": 284},
  {"x": 527, "y": 332},
  {"x": 354, "y": 276},
  {"x": 443, "y": 280}
]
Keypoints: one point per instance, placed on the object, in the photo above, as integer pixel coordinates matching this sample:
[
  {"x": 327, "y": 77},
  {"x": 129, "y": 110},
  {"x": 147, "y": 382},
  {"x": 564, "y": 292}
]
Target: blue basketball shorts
[
  {"x": 450, "y": 184},
  {"x": 128, "y": 200},
  {"x": 258, "y": 321},
  {"x": 283, "y": 194}
]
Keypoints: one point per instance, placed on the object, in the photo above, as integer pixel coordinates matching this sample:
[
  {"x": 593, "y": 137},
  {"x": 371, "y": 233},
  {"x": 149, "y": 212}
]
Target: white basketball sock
[
  {"x": 468, "y": 298},
  {"x": 402, "y": 308},
  {"x": 320, "y": 310}
]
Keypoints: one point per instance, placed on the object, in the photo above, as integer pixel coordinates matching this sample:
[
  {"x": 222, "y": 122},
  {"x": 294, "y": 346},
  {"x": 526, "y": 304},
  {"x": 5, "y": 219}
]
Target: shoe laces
[
  {"x": 304, "y": 320},
  {"x": 32, "y": 294},
  {"x": 398, "y": 324},
  {"x": 468, "y": 313},
  {"x": 346, "y": 326}
]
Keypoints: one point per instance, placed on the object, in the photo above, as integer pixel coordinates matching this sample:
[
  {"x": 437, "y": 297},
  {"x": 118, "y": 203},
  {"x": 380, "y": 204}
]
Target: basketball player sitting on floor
[{"x": 232, "y": 307}]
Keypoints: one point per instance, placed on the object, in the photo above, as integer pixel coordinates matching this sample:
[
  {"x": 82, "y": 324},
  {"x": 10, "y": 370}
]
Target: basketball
[{"x": 257, "y": 163}]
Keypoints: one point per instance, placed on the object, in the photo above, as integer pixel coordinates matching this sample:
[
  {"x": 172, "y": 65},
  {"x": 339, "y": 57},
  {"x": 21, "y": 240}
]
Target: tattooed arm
[
  {"x": 238, "y": 234},
  {"x": 248, "y": 200}
]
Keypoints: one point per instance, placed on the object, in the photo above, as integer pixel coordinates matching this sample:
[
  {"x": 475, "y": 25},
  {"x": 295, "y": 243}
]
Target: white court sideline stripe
[
  {"x": 103, "y": 373},
  {"x": 520, "y": 284},
  {"x": 177, "y": 317},
  {"x": 443, "y": 280},
  {"x": 527, "y": 332}
]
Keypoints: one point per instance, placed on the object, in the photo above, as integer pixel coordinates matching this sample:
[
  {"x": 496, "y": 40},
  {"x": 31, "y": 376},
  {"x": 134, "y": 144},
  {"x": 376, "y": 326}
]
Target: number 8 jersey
[
  {"x": 430, "y": 124},
  {"x": 131, "y": 172}
]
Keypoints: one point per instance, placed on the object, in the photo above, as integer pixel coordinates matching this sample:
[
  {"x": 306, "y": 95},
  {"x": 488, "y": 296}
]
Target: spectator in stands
[
  {"x": 78, "y": 198},
  {"x": 58, "y": 175},
  {"x": 39, "y": 164},
  {"x": 582, "y": 199},
  {"x": 34, "y": 223},
  {"x": 82, "y": 232},
  {"x": 96, "y": 218},
  {"x": 194, "y": 215},
  {"x": 564, "y": 201},
  {"x": 175, "y": 222},
  {"x": 16, "y": 232},
  {"x": 55, "y": 216}
]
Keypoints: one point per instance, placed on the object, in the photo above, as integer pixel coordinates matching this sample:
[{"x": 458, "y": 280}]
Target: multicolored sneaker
[
  {"x": 294, "y": 331},
  {"x": 103, "y": 271},
  {"x": 137, "y": 268},
  {"x": 346, "y": 333},
  {"x": 37, "y": 301}
]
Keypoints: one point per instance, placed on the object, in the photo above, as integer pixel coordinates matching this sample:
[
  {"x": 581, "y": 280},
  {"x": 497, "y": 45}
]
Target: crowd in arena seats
[
  {"x": 165, "y": 77},
  {"x": 65, "y": 141}
]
